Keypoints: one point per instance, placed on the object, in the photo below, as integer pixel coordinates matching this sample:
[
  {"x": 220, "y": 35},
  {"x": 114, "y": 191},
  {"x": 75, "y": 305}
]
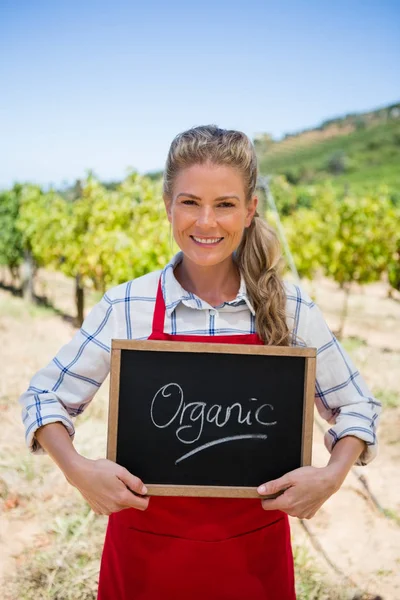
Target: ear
[
  {"x": 168, "y": 207},
  {"x": 251, "y": 209}
]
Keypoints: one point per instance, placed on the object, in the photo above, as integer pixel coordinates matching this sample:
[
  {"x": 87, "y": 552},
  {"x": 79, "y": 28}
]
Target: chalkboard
[{"x": 209, "y": 419}]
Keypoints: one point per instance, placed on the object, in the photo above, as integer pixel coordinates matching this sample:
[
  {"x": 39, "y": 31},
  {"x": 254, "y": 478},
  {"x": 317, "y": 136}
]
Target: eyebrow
[{"x": 216, "y": 199}]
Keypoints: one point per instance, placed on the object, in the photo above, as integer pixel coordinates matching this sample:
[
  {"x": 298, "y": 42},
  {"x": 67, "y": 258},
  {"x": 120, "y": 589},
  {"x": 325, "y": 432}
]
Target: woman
[{"x": 223, "y": 286}]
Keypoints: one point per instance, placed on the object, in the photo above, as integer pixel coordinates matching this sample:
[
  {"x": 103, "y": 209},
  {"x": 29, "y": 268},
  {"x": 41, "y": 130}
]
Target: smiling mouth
[{"x": 207, "y": 241}]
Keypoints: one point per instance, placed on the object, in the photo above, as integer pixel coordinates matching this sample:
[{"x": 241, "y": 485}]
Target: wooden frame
[{"x": 150, "y": 345}]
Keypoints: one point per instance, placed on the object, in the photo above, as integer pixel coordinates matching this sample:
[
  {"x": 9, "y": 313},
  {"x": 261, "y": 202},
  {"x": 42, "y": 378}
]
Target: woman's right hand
[{"x": 106, "y": 486}]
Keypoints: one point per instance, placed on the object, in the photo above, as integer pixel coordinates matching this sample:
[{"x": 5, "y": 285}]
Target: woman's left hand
[{"x": 304, "y": 491}]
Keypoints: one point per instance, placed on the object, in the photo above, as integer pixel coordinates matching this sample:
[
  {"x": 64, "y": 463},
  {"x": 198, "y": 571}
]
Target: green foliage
[
  {"x": 353, "y": 343},
  {"x": 156, "y": 176},
  {"x": 394, "y": 260},
  {"x": 104, "y": 236},
  {"x": 389, "y": 398},
  {"x": 361, "y": 150},
  {"x": 107, "y": 234},
  {"x": 305, "y": 231},
  {"x": 337, "y": 163},
  {"x": 67, "y": 568},
  {"x": 363, "y": 238},
  {"x": 354, "y": 238},
  {"x": 284, "y": 195},
  {"x": 11, "y": 245},
  {"x": 311, "y": 232},
  {"x": 310, "y": 583},
  {"x": 393, "y": 516},
  {"x": 120, "y": 234},
  {"x": 43, "y": 221},
  {"x": 288, "y": 198}
]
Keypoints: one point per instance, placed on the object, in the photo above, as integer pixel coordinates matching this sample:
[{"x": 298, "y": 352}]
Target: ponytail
[{"x": 258, "y": 257}]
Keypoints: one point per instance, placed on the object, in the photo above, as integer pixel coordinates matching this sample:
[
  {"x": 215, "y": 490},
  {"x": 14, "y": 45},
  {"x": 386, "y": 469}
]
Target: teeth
[{"x": 206, "y": 240}]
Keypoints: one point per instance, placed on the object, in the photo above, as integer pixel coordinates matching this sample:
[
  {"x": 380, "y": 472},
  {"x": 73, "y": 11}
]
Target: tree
[
  {"x": 11, "y": 244},
  {"x": 394, "y": 264},
  {"x": 311, "y": 232},
  {"x": 362, "y": 244},
  {"x": 42, "y": 222},
  {"x": 337, "y": 163}
]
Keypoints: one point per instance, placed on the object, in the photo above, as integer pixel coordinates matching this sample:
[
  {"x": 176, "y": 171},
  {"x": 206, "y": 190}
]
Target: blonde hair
[{"x": 258, "y": 256}]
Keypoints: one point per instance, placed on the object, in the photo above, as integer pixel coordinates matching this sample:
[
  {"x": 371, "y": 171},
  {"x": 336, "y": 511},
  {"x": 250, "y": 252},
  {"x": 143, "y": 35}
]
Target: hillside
[{"x": 358, "y": 149}]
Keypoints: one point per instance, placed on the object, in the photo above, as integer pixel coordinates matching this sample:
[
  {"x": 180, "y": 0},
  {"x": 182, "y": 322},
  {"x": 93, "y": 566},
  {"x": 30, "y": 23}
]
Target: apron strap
[{"x": 159, "y": 311}]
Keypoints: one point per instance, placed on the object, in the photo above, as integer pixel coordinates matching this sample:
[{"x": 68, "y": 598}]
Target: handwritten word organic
[{"x": 188, "y": 419}]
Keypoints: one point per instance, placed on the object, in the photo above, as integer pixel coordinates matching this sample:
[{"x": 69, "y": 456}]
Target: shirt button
[{"x": 213, "y": 313}]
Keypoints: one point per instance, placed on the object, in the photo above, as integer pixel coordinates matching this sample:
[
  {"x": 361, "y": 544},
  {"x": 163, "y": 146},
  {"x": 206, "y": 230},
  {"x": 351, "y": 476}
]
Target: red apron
[{"x": 197, "y": 548}]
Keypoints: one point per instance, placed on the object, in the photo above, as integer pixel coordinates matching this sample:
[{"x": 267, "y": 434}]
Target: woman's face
[{"x": 208, "y": 212}]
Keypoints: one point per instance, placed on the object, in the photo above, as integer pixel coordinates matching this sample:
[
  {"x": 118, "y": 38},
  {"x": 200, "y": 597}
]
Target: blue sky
[{"x": 107, "y": 85}]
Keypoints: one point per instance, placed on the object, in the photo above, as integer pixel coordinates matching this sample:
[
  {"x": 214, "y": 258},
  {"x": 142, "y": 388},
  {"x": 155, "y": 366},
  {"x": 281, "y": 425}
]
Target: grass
[
  {"x": 67, "y": 569},
  {"x": 389, "y": 398},
  {"x": 44, "y": 306},
  {"x": 27, "y": 468},
  {"x": 353, "y": 343},
  {"x": 310, "y": 583},
  {"x": 17, "y": 310},
  {"x": 392, "y": 515}
]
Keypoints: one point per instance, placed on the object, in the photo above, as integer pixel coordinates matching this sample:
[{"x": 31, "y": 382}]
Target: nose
[{"x": 206, "y": 216}]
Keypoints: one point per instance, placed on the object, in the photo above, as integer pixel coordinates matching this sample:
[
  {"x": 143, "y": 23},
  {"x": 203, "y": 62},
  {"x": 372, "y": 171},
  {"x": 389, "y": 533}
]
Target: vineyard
[{"x": 102, "y": 237}]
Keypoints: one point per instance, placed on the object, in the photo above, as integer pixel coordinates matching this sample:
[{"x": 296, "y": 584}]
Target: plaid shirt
[{"x": 68, "y": 383}]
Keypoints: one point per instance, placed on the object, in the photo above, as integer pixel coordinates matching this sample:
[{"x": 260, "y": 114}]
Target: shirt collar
[{"x": 174, "y": 293}]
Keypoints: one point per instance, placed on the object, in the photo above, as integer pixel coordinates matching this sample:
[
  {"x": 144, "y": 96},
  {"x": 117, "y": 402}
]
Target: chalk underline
[{"x": 231, "y": 438}]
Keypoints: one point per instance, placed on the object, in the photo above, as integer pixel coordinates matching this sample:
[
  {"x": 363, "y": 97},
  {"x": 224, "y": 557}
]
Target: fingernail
[
  {"x": 144, "y": 489},
  {"x": 262, "y": 489}
]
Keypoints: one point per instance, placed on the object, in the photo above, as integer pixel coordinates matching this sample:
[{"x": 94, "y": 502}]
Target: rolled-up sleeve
[
  {"x": 341, "y": 395},
  {"x": 65, "y": 387}
]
